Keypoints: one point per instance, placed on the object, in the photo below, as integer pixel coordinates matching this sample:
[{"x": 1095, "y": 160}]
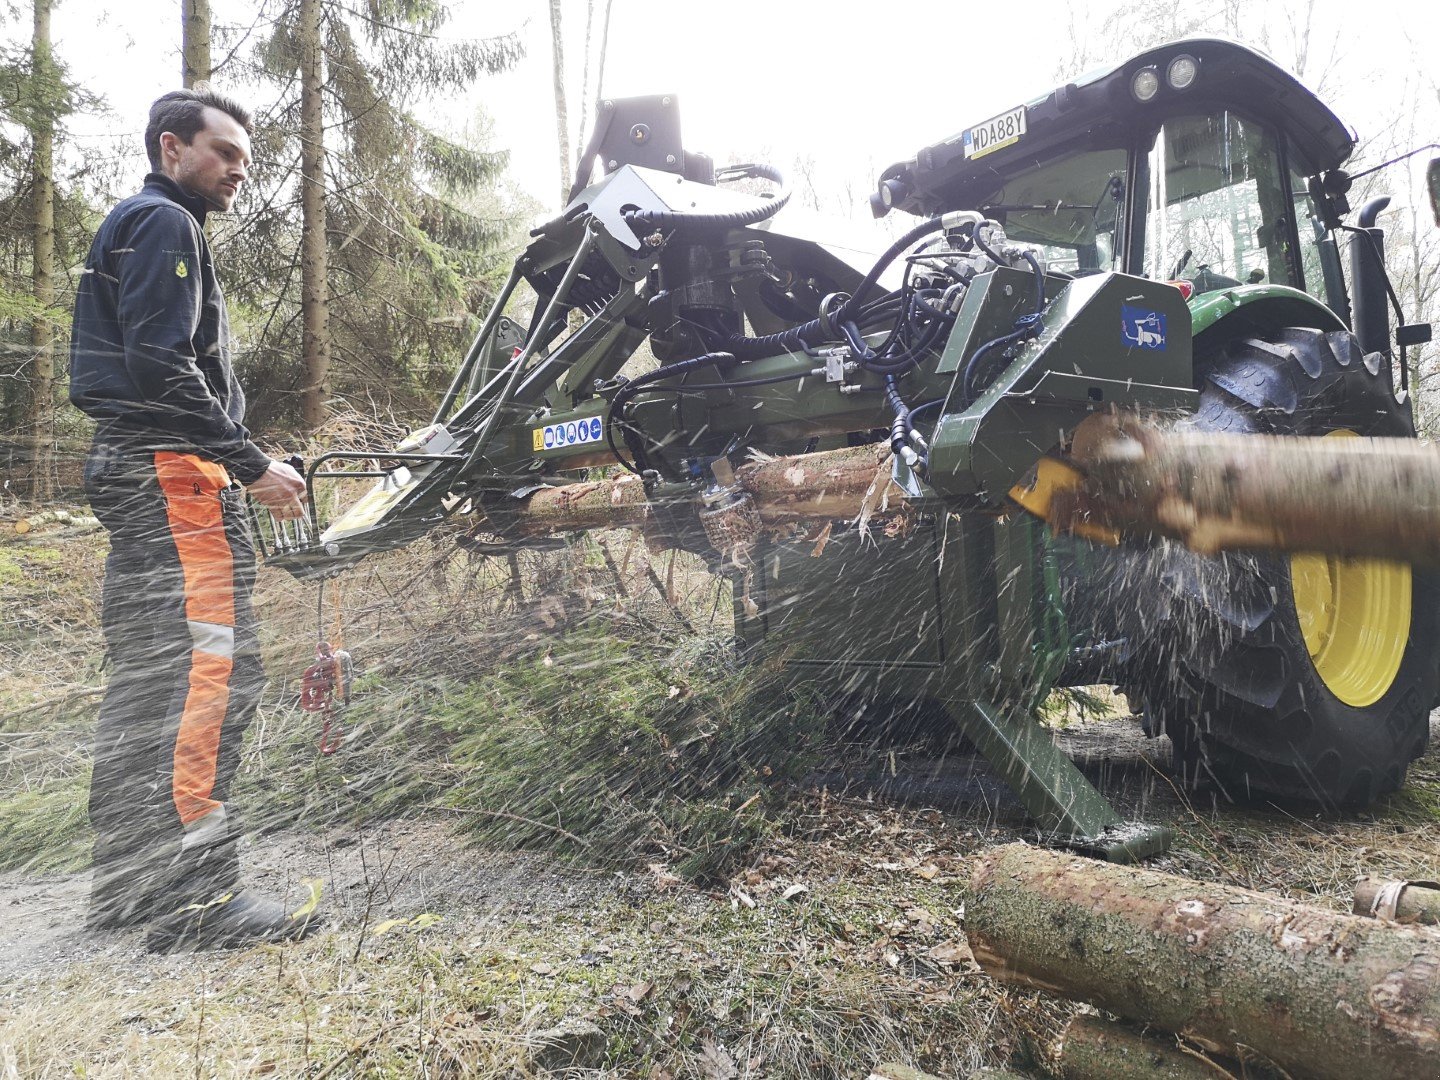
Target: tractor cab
[{"x": 1190, "y": 162}]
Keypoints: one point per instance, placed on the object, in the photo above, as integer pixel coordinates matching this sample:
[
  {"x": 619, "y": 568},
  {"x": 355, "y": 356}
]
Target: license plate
[{"x": 1004, "y": 130}]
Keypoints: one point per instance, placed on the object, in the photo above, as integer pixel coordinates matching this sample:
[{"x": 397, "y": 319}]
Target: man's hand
[{"x": 281, "y": 490}]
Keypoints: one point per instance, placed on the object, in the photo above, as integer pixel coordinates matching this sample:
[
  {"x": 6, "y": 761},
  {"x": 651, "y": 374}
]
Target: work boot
[{"x": 231, "y": 921}]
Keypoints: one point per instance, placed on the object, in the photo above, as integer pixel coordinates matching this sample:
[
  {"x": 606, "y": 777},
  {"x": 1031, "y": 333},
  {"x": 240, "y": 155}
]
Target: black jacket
[{"x": 150, "y": 351}]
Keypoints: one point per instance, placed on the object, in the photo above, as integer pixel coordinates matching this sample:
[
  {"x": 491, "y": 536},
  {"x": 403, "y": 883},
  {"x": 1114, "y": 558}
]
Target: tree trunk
[
  {"x": 847, "y": 483},
  {"x": 1320, "y": 994},
  {"x": 1096, "y": 1049},
  {"x": 1350, "y": 497},
  {"x": 42, "y": 222},
  {"x": 1399, "y": 901},
  {"x": 314, "y": 294},
  {"x": 562, "y": 119},
  {"x": 195, "y": 42},
  {"x": 585, "y": 109},
  {"x": 605, "y": 45}
]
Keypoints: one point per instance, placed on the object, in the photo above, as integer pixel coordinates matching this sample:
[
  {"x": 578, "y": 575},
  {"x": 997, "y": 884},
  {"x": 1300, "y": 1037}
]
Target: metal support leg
[{"x": 1052, "y": 789}]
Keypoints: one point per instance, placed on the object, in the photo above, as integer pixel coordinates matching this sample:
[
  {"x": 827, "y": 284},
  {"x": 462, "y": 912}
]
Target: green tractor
[{"x": 1158, "y": 237}]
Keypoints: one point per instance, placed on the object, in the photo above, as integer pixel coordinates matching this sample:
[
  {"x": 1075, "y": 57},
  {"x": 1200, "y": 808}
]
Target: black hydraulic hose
[
  {"x": 800, "y": 337},
  {"x": 635, "y": 385},
  {"x": 738, "y": 384},
  {"x": 1025, "y": 326},
  {"x": 900, "y": 428},
  {"x": 645, "y": 220},
  {"x": 885, "y": 365},
  {"x": 805, "y": 337},
  {"x": 919, "y": 232}
]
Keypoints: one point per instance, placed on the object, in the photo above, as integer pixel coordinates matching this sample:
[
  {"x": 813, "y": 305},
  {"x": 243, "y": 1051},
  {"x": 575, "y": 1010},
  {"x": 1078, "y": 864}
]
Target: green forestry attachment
[{"x": 852, "y": 438}]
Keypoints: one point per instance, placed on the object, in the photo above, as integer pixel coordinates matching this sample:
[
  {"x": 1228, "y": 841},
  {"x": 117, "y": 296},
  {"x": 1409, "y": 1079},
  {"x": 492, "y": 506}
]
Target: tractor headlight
[
  {"x": 1146, "y": 84},
  {"x": 1182, "y": 71}
]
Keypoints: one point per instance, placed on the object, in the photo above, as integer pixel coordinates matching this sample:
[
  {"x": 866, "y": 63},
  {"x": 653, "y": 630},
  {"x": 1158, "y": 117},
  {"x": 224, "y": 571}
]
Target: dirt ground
[
  {"x": 835, "y": 944},
  {"x": 854, "y": 922}
]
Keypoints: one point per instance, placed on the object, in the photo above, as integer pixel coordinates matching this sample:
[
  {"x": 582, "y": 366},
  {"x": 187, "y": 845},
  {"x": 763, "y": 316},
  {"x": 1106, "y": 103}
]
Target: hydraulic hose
[
  {"x": 635, "y": 385},
  {"x": 1025, "y": 326},
  {"x": 919, "y": 232},
  {"x": 900, "y": 428},
  {"x": 800, "y": 337},
  {"x": 646, "y": 220}
]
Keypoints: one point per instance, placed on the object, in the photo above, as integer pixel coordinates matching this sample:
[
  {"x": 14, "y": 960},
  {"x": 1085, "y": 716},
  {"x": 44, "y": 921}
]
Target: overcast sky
[{"x": 851, "y": 86}]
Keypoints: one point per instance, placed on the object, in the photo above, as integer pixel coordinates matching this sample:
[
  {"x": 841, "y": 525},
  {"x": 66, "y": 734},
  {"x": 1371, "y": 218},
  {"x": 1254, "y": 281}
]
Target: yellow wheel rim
[{"x": 1355, "y": 618}]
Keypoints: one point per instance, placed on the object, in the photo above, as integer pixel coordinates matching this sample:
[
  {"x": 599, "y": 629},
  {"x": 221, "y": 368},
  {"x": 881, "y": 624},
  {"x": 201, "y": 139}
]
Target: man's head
[{"x": 201, "y": 140}]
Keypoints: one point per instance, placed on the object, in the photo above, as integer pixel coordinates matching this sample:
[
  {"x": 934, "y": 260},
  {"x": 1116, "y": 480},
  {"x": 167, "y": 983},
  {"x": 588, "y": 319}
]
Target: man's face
[{"x": 214, "y": 164}]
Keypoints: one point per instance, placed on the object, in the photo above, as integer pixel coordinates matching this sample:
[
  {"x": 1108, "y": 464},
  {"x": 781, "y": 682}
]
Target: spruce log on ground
[
  {"x": 1346, "y": 496},
  {"x": 1097, "y": 1049},
  {"x": 1400, "y": 901},
  {"x": 1320, "y": 994}
]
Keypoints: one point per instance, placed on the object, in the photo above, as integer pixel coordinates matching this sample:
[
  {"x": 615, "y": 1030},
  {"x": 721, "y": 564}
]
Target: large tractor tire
[{"x": 1298, "y": 677}]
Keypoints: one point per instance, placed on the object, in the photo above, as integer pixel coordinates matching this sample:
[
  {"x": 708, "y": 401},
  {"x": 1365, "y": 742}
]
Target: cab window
[
  {"x": 1070, "y": 208},
  {"x": 1217, "y": 212}
]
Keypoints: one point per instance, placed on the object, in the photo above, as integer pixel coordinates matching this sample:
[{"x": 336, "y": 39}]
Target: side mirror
[{"x": 1432, "y": 181}]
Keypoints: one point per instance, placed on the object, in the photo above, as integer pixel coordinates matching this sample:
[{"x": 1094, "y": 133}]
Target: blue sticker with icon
[{"x": 1141, "y": 328}]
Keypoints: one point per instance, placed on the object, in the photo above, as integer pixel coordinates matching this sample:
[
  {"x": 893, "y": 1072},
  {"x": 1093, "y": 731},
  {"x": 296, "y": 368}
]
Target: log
[
  {"x": 1398, "y": 901},
  {"x": 1350, "y": 497},
  {"x": 597, "y": 504},
  {"x": 1319, "y": 994},
  {"x": 1096, "y": 1049},
  {"x": 852, "y": 482},
  {"x": 833, "y": 485},
  {"x": 892, "y": 1070},
  {"x": 62, "y": 517}
]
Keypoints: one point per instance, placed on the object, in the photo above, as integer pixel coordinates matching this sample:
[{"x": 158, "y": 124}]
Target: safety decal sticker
[
  {"x": 1141, "y": 328},
  {"x": 570, "y": 433}
]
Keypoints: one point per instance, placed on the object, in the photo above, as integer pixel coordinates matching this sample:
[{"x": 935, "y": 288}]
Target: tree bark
[
  {"x": 1319, "y": 994},
  {"x": 195, "y": 42},
  {"x": 1349, "y": 497},
  {"x": 1096, "y": 1049},
  {"x": 892, "y": 1070},
  {"x": 64, "y": 517},
  {"x": 836, "y": 484},
  {"x": 1400, "y": 901},
  {"x": 562, "y": 119},
  {"x": 314, "y": 271},
  {"x": 42, "y": 275}
]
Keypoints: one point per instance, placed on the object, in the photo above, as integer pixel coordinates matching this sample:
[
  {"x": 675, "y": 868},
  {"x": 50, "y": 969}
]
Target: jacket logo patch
[{"x": 182, "y": 267}]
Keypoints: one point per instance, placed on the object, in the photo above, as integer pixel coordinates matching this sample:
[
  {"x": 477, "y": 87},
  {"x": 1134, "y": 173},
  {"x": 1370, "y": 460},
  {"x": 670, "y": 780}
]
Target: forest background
[
  {"x": 404, "y": 147},
  {"x": 668, "y": 844}
]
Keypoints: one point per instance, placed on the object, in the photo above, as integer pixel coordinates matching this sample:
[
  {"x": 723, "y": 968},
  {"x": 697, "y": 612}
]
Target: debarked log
[
  {"x": 1320, "y": 994},
  {"x": 1343, "y": 496},
  {"x": 851, "y": 482}
]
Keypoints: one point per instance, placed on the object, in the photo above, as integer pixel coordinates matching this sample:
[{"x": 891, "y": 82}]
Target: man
[{"x": 150, "y": 362}]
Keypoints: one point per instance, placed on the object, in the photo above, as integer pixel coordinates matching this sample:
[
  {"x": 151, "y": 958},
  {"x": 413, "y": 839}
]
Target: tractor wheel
[{"x": 1301, "y": 677}]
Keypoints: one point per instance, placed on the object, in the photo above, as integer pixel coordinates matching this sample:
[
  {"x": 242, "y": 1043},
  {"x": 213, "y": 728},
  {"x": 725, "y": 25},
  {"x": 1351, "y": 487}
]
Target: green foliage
[
  {"x": 605, "y": 755},
  {"x": 593, "y": 747},
  {"x": 36, "y": 93},
  {"x": 415, "y": 227},
  {"x": 45, "y": 827}
]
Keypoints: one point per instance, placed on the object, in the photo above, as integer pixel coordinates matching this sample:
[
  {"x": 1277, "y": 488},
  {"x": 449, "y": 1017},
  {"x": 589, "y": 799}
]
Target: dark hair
[{"x": 182, "y": 112}]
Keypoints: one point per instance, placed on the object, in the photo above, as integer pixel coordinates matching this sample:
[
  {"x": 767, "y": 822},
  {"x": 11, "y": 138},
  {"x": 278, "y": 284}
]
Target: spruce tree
[{"x": 354, "y": 266}]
